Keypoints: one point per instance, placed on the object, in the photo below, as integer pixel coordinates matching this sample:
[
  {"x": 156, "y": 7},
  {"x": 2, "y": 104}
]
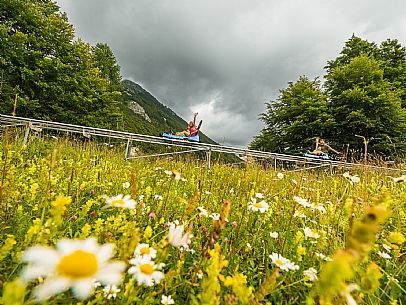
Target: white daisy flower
[
  {"x": 347, "y": 175},
  {"x": 391, "y": 278},
  {"x": 176, "y": 236},
  {"x": 346, "y": 292},
  {"x": 207, "y": 193},
  {"x": 96, "y": 284},
  {"x": 323, "y": 257},
  {"x": 175, "y": 174},
  {"x": 120, "y": 201},
  {"x": 310, "y": 233},
  {"x": 75, "y": 264},
  {"x": 126, "y": 185},
  {"x": 387, "y": 247},
  {"x": 261, "y": 206},
  {"x": 299, "y": 213},
  {"x": 215, "y": 216},
  {"x": 303, "y": 202},
  {"x": 274, "y": 234},
  {"x": 145, "y": 271},
  {"x": 248, "y": 245},
  {"x": 283, "y": 263},
  {"x": 145, "y": 251},
  {"x": 384, "y": 255},
  {"x": 320, "y": 207},
  {"x": 202, "y": 211},
  {"x": 311, "y": 273},
  {"x": 158, "y": 197},
  {"x": 279, "y": 175},
  {"x": 400, "y": 179},
  {"x": 167, "y": 300},
  {"x": 110, "y": 291},
  {"x": 355, "y": 179},
  {"x": 259, "y": 195}
]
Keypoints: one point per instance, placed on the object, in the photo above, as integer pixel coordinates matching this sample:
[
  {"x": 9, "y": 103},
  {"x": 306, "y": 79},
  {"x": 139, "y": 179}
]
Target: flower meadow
[{"x": 79, "y": 225}]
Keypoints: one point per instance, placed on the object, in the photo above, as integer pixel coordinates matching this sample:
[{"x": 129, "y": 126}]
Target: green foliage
[
  {"x": 364, "y": 94},
  {"x": 106, "y": 62},
  {"x": 393, "y": 58},
  {"x": 54, "y": 76},
  {"x": 364, "y": 103},
  {"x": 295, "y": 119},
  {"x": 54, "y": 188},
  {"x": 354, "y": 47}
]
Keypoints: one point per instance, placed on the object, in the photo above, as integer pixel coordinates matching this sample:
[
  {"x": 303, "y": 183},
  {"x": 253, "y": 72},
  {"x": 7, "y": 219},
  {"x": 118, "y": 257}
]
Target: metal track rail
[{"x": 7, "y": 121}]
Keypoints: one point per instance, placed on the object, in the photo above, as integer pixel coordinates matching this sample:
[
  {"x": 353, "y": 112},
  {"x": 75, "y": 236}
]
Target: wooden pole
[{"x": 15, "y": 105}]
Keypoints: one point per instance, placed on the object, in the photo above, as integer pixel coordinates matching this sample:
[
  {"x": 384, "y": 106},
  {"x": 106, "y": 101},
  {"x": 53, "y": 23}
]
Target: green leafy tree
[
  {"x": 55, "y": 77},
  {"x": 107, "y": 64},
  {"x": 390, "y": 54},
  {"x": 363, "y": 103},
  {"x": 354, "y": 47},
  {"x": 295, "y": 119},
  {"x": 393, "y": 58}
]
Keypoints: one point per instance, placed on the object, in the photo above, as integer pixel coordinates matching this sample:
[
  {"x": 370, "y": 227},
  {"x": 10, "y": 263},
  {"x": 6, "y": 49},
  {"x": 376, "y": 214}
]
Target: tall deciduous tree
[
  {"x": 107, "y": 64},
  {"x": 295, "y": 119},
  {"x": 363, "y": 103},
  {"x": 393, "y": 61},
  {"x": 55, "y": 77},
  {"x": 354, "y": 47}
]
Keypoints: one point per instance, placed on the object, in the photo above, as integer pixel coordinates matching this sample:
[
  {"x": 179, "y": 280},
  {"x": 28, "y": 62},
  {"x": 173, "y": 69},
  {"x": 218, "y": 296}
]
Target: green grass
[{"x": 231, "y": 255}]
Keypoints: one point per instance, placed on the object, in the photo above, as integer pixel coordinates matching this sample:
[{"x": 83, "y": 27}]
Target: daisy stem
[{"x": 288, "y": 227}]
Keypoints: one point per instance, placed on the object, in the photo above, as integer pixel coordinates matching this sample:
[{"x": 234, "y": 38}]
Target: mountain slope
[{"x": 144, "y": 114}]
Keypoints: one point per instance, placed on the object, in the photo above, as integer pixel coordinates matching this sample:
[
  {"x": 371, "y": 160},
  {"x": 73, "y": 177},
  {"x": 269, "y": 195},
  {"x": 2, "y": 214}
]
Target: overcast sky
[{"x": 227, "y": 58}]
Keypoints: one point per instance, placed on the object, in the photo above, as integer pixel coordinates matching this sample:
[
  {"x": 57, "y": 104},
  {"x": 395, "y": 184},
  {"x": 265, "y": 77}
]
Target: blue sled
[
  {"x": 172, "y": 136},
  {"x": 323, "y": 157}
]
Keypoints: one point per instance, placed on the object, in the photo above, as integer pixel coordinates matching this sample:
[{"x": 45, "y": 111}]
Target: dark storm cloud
[{"x": 227, "y": 58}]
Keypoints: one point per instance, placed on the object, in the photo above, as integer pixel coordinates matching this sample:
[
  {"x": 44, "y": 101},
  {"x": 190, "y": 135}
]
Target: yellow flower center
[
  {"x": 147, "y": 269},
  {"x": 279, "y": 262},
  {"x": 117, "y": 202},
  {"x": 78, "y": 264},
  {"x": 258, "y": 205},
  {"x": 145, "y": 250}
]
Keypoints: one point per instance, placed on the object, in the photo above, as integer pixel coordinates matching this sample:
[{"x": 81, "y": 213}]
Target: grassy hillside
[{"x": 161, "y": 117}]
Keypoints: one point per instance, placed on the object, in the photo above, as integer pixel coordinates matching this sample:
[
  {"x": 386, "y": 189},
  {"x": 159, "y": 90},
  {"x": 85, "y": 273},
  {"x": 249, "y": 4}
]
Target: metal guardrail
[{"x": 7, "y": 121}]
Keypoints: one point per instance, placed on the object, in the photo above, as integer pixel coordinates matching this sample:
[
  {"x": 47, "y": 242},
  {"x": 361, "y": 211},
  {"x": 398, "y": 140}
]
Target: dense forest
[{"x": 361, "y": 103}]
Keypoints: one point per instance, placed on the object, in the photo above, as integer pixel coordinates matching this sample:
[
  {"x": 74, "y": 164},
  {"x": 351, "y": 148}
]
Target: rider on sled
[
  {"x": 191, "y": 129},
  {"x": 322, "y": 148}
]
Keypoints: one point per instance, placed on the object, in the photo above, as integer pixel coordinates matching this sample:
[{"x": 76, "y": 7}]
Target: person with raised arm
[
  {"x": 322, "y": 148},
  {"x": 191, "y": 129}
]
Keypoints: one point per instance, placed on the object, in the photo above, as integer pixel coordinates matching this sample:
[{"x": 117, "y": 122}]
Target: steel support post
[
  {"x": 127, "y": 147},
  {"x": 27, "y": 132},
  {"x": 208, "y": 157}
]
